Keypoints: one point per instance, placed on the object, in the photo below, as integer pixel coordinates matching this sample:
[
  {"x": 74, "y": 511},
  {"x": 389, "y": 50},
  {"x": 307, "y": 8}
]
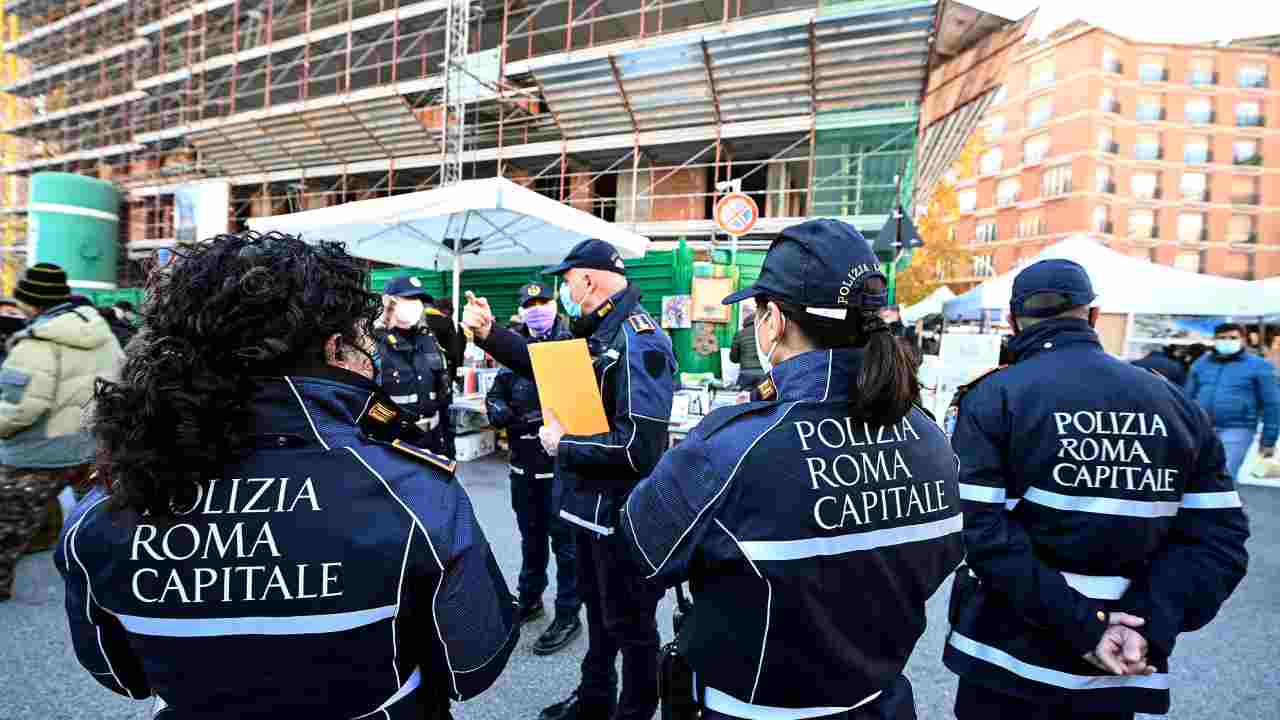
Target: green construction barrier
[{"x": 73, "y": 221}]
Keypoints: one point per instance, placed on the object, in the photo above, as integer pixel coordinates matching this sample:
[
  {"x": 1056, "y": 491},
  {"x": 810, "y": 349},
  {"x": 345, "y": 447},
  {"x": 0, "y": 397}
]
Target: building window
[
  {"x": 1240, "y": 230},
  {"x": 1249, "y": 114},
  {"x": 968, "y": 200},
  {"x": 985, "y": 232},
  {"x": 1194, "y": 186},
  {"x": 991, "y": 161},
  {"x": 1150, "y": 108},
  {"x": 1107, "y": 141},
  {"x": 1191, "y": 228},
  {"x": 1106, "y": 181},
  {"x": 1007, "y": 191},
  {"x": 1202, "y": 73},
  {"x": 1031, "y": 225},
  {"x": 1196, "y": 150},
  {"x": 1142, "y": 224},
  {"x": 1035, "y": 149},
  {"x": 1109, "y": 103},
  {"x": 1252, "y": 75},
  {"x": 1147, "y": 146},
  {"x": 1245, "y": 152},
  {"x": 1056, "y": 181},
  {"x": 1041, "y": 73},
  {"x": 1189, "y": 261},
  {"x": 1244, "y": 191},
  {"x": 1111, "y": 61},
  {"x": 1102, "y": 220},
  {"x": 1151, "y": 69},
  {"x": 1145, "y": 185},
  {"x": 995, "y": 128},
  {"x": 1199, "y": 111},
  {"x": 1038, "y": 112},
  {"x": 982, "y": 266}
]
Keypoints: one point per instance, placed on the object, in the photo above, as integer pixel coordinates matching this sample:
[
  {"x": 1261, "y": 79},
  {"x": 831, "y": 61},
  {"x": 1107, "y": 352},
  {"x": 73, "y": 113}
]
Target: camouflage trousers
[{"x": 24, "y": 499}]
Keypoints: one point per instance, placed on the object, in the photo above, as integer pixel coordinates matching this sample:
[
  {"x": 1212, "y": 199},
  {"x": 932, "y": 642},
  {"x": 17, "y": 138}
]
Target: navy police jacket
[
  {"x": 810, "y": 539},
  {"x": 512, "y": 403},
  {"x": 1089, "y": 486},
  {"x": 413, "y": 370},
  {"x": 635, "y": 368},
  {"x": 323, "y": 575}
]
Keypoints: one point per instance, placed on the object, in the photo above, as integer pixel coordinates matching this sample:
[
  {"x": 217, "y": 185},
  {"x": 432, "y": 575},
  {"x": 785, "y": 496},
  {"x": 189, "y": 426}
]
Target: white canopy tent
[
  {"x": 931, "y": 305},
  {"x": 1124, "y": 285},
  {"x": 488, "y": 223}
]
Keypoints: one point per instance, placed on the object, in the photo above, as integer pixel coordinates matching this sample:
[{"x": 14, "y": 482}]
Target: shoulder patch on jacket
[
  {"x": 425, "y": 455},
  {"x": 642, "y": 323},
  {"x": 721, "y": 417},
  {"x": 766, "y": 389},
  {"x": 953, "y": 410}
]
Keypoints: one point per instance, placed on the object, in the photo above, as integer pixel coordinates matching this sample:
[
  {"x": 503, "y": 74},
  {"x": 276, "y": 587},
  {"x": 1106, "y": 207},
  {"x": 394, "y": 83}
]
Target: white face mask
[
  {"x": 766, "y": 363},
  {"x": 1227, "y": 347},
  {"x": 408, "y": 312}
]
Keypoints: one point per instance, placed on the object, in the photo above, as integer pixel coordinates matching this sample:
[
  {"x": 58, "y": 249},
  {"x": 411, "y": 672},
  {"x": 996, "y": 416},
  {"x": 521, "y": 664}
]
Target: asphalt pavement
[{"x": 1229, "y": 670}]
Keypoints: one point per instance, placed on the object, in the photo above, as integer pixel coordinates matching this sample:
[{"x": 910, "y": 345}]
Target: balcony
[
  {"x": 1251, "y": 161},
  {"x": 1250, "y": 199},
  {"x": 1113, "y": 66},
  {"x": 1253, "y": 82},
  {"x": 1148, "y": 113},
  {"x": 1202, "y": 78},
  {"x": 1250, "y": 238},
  {"x": 1110, "y": 146},
  {"x": 1155, "y": 194},
  {"x": 1153, "y": 73},
  {"x": 1202, "y": 118},
  {"x": 1110, "y": 105},
  {"x": 1251, "y": 121},
  {"x": 1199, "y": 197},
  {"x": 1148, "y": 152},
  {"x": 1196, "y": 156}
]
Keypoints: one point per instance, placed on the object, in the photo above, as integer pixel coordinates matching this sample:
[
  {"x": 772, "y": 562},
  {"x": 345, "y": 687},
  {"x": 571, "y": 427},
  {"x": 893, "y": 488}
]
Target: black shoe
[
  {"x": 561, "y": 633},
  {"x": 565, "y": 710},
  {"x": 574, "y": 709},
  {"x": 530, "y": 611}
]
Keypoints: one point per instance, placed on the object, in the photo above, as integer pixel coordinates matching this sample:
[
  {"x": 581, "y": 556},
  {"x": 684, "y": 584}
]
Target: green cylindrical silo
[{"x": 73, "y": 221}]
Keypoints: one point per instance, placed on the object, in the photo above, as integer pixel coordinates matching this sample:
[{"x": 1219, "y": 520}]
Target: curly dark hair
[{"x": 222, "y": 313}]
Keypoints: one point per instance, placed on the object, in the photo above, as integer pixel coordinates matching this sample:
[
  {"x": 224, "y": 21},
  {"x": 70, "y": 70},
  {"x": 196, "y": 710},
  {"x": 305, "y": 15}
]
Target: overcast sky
[{"x": 1172, "y": 21}]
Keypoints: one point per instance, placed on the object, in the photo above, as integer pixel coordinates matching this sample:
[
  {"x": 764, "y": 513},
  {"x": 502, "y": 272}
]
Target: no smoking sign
[{"x": 736, "y": 214}]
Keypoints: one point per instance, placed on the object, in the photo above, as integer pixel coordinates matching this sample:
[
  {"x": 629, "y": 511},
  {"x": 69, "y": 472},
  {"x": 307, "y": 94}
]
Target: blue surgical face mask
[
  {"x": 572, "y": 307},
  {"x": 1227, "y": 348}
]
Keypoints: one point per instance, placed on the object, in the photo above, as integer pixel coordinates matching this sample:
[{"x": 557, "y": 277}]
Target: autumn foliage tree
[{"x": 944, "y": 254}]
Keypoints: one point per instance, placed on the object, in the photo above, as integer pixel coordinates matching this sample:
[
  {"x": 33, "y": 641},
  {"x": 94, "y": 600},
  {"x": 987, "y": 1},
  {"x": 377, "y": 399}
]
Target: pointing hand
[{"x": 477, "y": 317}]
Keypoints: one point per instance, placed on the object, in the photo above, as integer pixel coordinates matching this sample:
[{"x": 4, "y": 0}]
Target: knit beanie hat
[{"x": 43, "y": 286}]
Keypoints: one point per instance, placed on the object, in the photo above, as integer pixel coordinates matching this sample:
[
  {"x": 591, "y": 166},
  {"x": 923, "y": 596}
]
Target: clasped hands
[{"x": 1122, "y": 649}]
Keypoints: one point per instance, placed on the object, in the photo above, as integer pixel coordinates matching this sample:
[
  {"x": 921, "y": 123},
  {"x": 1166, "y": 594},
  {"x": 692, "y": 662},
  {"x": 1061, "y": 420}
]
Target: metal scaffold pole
[{"x": 454, "y": 123}]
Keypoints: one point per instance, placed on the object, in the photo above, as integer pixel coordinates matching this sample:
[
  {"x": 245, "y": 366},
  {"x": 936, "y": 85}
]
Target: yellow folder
[{"x": 567, "y": 385}]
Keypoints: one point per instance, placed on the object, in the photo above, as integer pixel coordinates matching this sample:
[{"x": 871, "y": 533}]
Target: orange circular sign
[{"x": 736, "y": 214}]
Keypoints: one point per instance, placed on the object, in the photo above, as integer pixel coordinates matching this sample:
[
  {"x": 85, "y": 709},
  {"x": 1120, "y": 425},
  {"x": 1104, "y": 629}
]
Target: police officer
[
  {"x": 1100, "y": 521},
  {"x": 414, "y": 370},
  {"x": 635, "y": 368},
  {"x": 813, "y": 524},
  {"x": 512, "y": 403},
  {"x": 260, "y": 543}
]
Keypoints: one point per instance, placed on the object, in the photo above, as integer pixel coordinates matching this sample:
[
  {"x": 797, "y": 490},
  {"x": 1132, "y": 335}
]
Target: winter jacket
[
  {"x": 1165, "y": 365},
  {"x": 46, "y": 385},
  {"x": 512, "y": 403},
  {"x": 743, "y": 351},
  {"x": 1237, "y": 392}
]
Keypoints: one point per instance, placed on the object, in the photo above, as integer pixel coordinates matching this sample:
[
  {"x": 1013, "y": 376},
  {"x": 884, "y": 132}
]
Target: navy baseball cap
[
  {"x": 591, "y": 254},
  {"x": 823, "y": 266},
  {"x": 407, "y": 286},
  {"x": 1064, "y": 283},
  {"x": 535, "y": 291}
]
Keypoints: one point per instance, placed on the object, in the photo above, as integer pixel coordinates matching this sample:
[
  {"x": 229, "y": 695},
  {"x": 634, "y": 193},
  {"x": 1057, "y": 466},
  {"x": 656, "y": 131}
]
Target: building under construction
[{"x": 633, "y": 110}]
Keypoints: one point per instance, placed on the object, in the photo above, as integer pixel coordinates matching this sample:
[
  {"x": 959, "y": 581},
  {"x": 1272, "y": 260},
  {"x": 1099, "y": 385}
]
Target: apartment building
[
  {"x": 1167, "y": 153},
  {"x": 633, "y": 110}
]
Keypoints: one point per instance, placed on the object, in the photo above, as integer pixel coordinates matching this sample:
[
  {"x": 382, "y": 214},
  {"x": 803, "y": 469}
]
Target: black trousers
[
  {"x": 978, "y": 703},
  {"x": 621, "y": 617},
  {"x": 533, "y": 499},
  {"x": 896, "y": 703}
]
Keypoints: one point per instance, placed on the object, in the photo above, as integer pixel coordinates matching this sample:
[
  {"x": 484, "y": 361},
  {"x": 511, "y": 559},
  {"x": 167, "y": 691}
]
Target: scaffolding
[{"x": 633, "y": 110}]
